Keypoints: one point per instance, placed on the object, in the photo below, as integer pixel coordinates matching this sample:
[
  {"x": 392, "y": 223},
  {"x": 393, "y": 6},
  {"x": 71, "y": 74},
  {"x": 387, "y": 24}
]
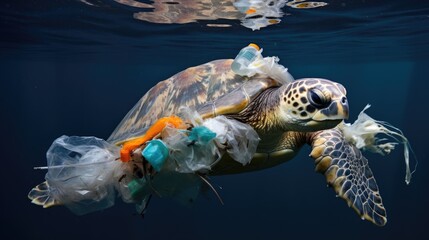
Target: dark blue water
[{"x": 75, "y": 69}]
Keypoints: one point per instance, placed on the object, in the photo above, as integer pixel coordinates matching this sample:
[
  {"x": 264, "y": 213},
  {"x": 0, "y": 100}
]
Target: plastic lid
[
  {"x": 156, "y": 152},
  {"x": 255, "y": 46}
]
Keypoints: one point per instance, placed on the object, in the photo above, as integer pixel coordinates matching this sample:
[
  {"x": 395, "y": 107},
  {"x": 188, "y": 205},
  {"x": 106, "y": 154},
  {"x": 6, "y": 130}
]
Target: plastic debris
[
  {"x": 250, "y": 61},
  {"x": 136, "y": 187},
  {"x": 270, "y": 67},
  {"x": 190, "y": 153},
  {"x": 154, "y": 130},
  {"x": 155, "y": 152},
  {"x": 183, "y": 187},
  {"x": 201, "y": 134},
  {"x": 85, "y": 174},
  {"x": 241, "y": 139},
  {"x": 244, "y": 58},
  {"x": 82, "y": 172},
  {"x": 362, "y": 133}
]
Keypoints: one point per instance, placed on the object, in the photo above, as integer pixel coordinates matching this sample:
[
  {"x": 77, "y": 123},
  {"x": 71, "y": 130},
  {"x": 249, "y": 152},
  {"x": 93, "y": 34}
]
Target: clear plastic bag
[
  {"x": 363, "y": 134},
  {"x": 241, "y": 139},
  {"x": 269, "y": 66},
  {"x": 250, "y": 61},
  {"x": 188, "y": 155},
  {"x": 196, "y": 154},
  {"x": 81, "y": 173},
  {"x": 85, "y": 176}
]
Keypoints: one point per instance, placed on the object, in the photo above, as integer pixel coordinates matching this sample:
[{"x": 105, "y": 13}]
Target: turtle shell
[{"x": 211, "y": 88}]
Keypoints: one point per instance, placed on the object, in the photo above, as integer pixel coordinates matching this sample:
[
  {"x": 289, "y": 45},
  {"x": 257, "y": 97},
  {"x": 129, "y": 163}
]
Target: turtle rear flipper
[
  {"x": 347, "y": 171},
  {"x": 40, "y": 195}
]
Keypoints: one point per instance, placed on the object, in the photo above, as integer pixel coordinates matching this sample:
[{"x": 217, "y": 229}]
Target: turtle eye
[{"x": 317, "y": 98}]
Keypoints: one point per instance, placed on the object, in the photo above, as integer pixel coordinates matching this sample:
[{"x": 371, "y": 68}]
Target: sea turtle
[{"x": 286, "y": 117}]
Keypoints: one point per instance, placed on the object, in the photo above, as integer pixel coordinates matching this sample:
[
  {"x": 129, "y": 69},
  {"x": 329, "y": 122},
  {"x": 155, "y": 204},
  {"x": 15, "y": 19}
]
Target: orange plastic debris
[{"x": 154, "y": 130}]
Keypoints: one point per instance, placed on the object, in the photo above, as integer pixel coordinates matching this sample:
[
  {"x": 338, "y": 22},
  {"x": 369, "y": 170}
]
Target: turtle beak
[{"x": 337, "y": 110}]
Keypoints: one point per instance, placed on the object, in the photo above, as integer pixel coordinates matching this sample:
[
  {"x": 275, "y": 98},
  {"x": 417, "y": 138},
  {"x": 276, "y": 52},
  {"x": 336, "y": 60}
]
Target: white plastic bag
[
  {"x": 362, "y": 133},
  {"x": 81, "y": 173},
  {"x": 241, "y": 139}
]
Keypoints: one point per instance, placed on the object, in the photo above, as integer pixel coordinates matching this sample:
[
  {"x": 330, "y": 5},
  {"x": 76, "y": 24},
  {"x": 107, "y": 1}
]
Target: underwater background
[{"x": 77, "y": 67}]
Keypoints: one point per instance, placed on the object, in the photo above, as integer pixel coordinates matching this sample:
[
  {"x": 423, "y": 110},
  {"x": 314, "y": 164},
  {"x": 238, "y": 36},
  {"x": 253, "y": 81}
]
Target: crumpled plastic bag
[
  {"x": 265, "y": 66},
  {"x": 241, "y": 139},
  {"x": 190, "y": 153},
  {"x": 269, "y": 66},
  {"x": 81, "y": 173},
  {"x": 85, "y": 176},
  {"x": 192, "y": 150},
  {"x": 187, "y": 155},
  {"x": 363, "y": 134}
]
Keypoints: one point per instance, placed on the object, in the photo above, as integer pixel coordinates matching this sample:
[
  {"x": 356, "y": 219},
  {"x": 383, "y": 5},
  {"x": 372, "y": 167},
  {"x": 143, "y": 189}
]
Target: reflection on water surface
[{"x": 253, "y": 14}]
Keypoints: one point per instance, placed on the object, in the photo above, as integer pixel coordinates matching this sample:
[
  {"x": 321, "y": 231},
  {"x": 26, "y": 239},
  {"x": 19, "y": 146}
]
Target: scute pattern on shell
[{"x": 191, "y": 87}]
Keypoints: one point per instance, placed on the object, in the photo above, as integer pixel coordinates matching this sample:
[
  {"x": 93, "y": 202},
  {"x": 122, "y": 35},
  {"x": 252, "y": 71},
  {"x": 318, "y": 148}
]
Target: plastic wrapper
[
  {"x": 187, "y": 155},
  {"x": 86, "y": 175},
  {"x": 82, "y": 173},
  {"x": 363, "y": 134},
  {"x": 267, "y": 66},
  {"x": 241, "y": 139},
  {"x": 198, "y": 150},
  {"x": 190, "y": 150}
]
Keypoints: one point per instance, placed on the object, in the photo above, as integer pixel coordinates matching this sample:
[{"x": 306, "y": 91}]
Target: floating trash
[
  {"x": 85, "y": 174},
  {"x": 363, "y": 134}
]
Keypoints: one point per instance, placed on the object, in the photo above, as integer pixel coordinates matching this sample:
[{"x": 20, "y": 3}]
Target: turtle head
[{"x": 312, "y": 104}]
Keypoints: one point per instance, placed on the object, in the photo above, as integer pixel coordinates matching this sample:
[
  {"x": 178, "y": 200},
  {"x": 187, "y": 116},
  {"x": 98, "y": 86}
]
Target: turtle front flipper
[
  {"x": 347, "y": 171},
  {"x": 40, "y": 195}
]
